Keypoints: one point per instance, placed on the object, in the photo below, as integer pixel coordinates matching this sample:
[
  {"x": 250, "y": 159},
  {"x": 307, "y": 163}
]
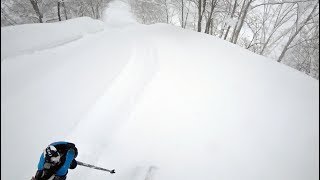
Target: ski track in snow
[
  {"x": 140, "y": 64},
  {"x": 125, "y": 91},
  {"x": 117, "y": 101}
]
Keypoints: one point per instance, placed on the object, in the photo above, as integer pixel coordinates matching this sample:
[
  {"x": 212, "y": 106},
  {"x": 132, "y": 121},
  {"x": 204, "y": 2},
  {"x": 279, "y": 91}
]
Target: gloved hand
[
  {"x": 42, "y": 175},
  {"x": 73, "y": 164}
]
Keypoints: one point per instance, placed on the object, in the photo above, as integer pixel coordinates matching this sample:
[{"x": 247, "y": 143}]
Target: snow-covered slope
[
  {"x": 159, "y": 103},
  {"x": 23, "y": 39}
]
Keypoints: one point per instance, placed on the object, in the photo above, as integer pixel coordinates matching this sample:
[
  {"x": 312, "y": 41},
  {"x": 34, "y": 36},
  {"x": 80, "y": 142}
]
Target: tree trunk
[
  {"x": 265, "y": 44},
  {"x": 167, "y": 11},
  {"x": 201, "y": 12},
  {"x": 211, "y": 28},
  {"x": 97, "y": 12},
  {"x": 226, "y": 35},
  {"x": 237, "y": 32},
  {"x": 239, "y": 17},
  {"x": 232, "y": 14},
  {"x": 64, "y": 10},
  {"x": 185, "y": 21},
  {"x": 36, "y": 9},
  {"x": 182, "y": 15},
  {"x": 93, "y": 13},
  {"x": 59, "y": 16},
  {"x": 213, "y": 5},
  {"x": 199, "y": 16}
]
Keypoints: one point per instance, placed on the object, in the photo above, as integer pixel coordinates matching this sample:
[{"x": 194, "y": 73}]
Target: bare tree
[
  {"x": 297, "y": 28},
  {"x": 304, "y": 55},
  {"x": 201, "y": 9},
  {"x": 64, "y": 9},
  {"x": 254, "y": 25},
  {"x": 242, "y": 19},
  {"x": 6, "y": 19},
  {"x": 59, "y": 11},
  {"x": 213, "y": 4},
  {"x": 232, "y": 15},
  {"x": 282, "y": 14},
  {"x": 149, "y": 12},
  {"x": 36, "y": 9}
]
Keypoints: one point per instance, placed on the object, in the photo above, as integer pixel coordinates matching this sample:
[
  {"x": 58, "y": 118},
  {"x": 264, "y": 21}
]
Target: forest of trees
[
  {"x": 284, "y": 30},
  {"x": 15, "y": 12}
]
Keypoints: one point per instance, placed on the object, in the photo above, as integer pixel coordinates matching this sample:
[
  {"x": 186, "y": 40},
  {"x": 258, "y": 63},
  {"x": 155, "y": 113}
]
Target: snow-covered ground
[
  {"x": 154, "y": 102},
  {"x": 29, "y": 38}
]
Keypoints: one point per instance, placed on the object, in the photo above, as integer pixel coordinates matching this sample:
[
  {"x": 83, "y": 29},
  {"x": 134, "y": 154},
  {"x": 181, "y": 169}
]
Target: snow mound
[{"x": 27, "y": 38}]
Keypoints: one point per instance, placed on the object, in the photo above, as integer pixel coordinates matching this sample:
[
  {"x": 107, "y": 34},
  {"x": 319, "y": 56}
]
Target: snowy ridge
[{"x": 28, "y": 38}]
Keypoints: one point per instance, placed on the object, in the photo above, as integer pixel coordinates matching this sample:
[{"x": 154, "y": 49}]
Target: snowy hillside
[
  {"x": 23, "y": 39},
  {"x": 153, "y": 102}
]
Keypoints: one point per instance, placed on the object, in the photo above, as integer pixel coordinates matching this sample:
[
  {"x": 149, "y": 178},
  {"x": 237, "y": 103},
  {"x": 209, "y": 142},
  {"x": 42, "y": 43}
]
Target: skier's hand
[
  {"x": 112, "y": 171},
  {"x": 73, "y": 164}
]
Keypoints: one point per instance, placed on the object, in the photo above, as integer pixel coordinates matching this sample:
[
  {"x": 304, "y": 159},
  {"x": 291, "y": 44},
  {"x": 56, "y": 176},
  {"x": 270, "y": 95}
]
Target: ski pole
[{"x": 95, "y": 167}]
